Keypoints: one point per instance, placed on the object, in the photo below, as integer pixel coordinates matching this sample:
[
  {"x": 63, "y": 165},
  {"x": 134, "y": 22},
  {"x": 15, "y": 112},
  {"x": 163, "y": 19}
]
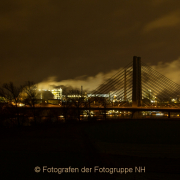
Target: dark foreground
[{"x": 153, "y": 145}]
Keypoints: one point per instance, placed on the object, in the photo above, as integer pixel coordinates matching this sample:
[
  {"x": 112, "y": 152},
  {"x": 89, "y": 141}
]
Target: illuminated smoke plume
[
  {"x": 88, "y": 83},
  {"x": 170, "y": 70}
]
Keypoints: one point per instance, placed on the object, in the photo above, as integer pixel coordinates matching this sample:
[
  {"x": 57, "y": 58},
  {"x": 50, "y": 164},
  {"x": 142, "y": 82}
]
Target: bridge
[
  {"x": 137, "y": 90},
  {"x": 139, "y": 85}
]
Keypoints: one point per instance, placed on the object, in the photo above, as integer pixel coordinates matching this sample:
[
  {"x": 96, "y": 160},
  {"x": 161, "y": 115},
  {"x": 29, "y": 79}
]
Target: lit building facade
[{"x": 57, "y": 93}]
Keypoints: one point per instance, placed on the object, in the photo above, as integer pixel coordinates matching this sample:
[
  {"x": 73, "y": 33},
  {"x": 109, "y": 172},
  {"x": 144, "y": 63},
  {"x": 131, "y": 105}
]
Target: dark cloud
[{"x": 67, "y": 39}]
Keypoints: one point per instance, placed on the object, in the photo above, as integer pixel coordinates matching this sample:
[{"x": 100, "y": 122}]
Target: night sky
[{"x": 85, "y": 39}]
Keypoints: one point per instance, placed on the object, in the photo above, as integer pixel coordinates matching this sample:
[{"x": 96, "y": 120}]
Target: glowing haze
[
  {"x": 89, "y": 83},
  {"x": 170, "y": 70}
]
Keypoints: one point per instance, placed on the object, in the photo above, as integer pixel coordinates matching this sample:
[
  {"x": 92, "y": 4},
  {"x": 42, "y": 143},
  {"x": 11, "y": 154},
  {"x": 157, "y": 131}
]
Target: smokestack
[{"x": 81, "y": 90}]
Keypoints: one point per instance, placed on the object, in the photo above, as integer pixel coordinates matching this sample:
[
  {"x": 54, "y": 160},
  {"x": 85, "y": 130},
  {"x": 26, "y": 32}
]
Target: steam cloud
[
  {"x": 88, "y": 83},
  {"x": 170, "y": 70}
]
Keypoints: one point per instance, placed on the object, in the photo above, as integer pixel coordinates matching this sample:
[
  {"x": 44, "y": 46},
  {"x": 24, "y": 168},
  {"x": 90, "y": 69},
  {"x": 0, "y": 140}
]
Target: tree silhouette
[
  {"x": 31, "y": 95},
  {"x": 12, "y": 93}
]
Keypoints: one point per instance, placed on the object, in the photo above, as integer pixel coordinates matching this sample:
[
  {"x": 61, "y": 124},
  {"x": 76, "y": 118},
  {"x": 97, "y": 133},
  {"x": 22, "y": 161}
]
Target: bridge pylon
[{"x": 136, "y": 84}]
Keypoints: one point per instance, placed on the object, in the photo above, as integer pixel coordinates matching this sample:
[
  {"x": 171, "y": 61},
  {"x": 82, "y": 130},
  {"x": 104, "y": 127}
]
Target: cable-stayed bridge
[
  {"x": 139, "y": 85},
  {"x": 136, "y": 91}
]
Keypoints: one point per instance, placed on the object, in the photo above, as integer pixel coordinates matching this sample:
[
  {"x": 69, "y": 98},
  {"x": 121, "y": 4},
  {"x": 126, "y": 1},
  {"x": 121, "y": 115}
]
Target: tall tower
[
  {"x": 136, "y": 84},
  {"x": 81, "y": 91}
]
